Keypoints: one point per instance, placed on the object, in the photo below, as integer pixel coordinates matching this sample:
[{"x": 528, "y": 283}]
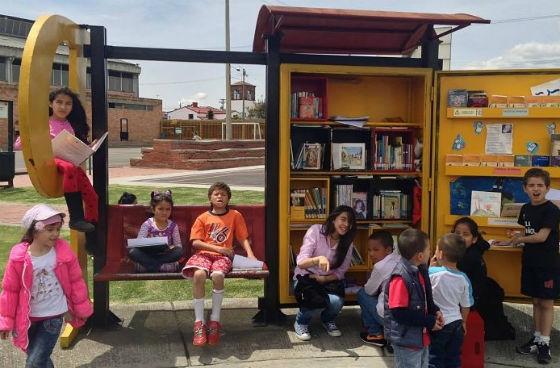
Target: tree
[{"x": 259, "y": 111}]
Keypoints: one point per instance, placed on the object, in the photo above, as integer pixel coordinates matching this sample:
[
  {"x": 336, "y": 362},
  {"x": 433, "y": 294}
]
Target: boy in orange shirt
[{"x": 212, "y": 237}]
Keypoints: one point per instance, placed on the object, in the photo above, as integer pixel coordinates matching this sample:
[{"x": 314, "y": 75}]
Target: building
[
  {"x": 444, "y": 51},
  {"x": 195, "y": 112},
  {"x": 242, "y": 97},
  {"x": 132, "y": 120}
]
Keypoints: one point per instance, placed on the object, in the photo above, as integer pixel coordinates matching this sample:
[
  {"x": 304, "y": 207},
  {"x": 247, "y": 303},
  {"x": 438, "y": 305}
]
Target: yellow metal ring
[{"x": 47, "y": 33}]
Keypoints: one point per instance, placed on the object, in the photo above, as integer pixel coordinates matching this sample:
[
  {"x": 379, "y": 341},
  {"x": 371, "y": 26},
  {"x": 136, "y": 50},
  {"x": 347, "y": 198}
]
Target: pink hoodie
[{"x": 16, "y": 290}]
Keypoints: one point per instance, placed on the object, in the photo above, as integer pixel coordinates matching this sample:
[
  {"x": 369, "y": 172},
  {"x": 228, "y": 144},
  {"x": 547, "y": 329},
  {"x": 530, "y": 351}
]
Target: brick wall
[{"x": 143, "y": 126}]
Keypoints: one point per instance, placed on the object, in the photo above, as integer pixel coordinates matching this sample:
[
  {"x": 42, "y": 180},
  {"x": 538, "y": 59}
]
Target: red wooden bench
[{"x": 124, "y": 222}]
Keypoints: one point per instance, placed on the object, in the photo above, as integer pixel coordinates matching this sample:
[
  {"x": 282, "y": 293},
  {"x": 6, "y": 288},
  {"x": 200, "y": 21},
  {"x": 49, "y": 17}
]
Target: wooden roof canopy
[{"x": 342, "y": 31}]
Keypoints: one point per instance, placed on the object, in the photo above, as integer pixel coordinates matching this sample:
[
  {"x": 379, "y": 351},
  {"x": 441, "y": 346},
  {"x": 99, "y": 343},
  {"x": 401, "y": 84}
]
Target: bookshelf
[
  {"x": 529, "y": 125},
  {"x": 396, "y": 102}
]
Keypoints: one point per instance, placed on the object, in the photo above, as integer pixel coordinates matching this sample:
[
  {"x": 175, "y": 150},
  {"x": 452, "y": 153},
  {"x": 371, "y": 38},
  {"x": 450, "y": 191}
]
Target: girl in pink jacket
[{"x": 42, "y": 286}]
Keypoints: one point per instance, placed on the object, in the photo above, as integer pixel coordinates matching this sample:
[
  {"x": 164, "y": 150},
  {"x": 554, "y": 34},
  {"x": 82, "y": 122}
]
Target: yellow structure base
[{"x": 68, "y": 335}]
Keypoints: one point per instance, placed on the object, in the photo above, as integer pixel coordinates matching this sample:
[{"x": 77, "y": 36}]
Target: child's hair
[
  {"x": 127, "y": 198},
  {"x": 453, "y": 247},
  {"x": 77, "y": 117},
  {"x": 345, "y": 240},
  {"x": 30, "y": 232},
  {"x": 384, "y": 237},
  {"x": 472, "y": 225},
  {"x": 412, "y": 242},
  {"x": 536, "y": 172},
  {"x": 158, "y": 197},
  {"x": 219, "y": 186}
]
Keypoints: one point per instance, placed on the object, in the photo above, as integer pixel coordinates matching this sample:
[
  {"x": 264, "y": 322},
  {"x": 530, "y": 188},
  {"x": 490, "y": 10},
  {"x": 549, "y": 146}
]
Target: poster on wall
[{"x": 499, "y": 138}]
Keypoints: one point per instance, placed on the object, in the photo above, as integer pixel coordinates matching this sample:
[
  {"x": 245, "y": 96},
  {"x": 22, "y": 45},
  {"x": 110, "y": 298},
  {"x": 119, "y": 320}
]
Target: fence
[{"x": 211, "y": 129}]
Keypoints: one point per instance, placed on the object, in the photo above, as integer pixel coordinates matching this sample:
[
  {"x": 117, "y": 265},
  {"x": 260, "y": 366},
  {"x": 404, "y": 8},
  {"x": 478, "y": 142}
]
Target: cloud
[
  {"x": 201, "y": 95},
  {"x": 525, "y": 55}
]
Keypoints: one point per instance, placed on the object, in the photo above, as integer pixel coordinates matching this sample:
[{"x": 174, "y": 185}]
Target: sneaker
[
  {"x": 199, "y": 331},
  {"x": 543, "y": 353},
  {"x": 214, "y": 328},
  {"x": 390, "y": 349},
  {"x": 331, "y": 328},
  {"x": 302, "y": 332},
  {"x": 530, "y": 347},
  {"x": 377, "y": 340},
  {"x": 169, "y": 267}
]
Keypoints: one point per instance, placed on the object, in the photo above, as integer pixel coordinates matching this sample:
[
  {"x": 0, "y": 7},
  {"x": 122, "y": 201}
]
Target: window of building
[
  {"x": 191, "y": 116},
  {"x": 236, "y": 95},
  {"x": 127, "y": 83},
  {"x": 3, "y": 74},
  {"x": 16, "y": 65},
  {"x": 114, "y": 81}
]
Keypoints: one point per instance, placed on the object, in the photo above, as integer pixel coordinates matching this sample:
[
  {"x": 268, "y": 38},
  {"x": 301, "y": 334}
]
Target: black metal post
[
  {"x": 100, "y": 125},
  {"x": 10, "y": 126},
  {"x": 430, "y": 50},
  {"x": 269, "y": 306}
]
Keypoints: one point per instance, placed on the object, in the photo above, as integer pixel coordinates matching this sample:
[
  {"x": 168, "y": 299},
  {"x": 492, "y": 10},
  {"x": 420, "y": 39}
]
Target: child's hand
[
  {"x": 464, "y": 327},
  {"x": 4, "y": 334},
  {"x": 434, "y": 261},
  {"x": 437, "y": 326},
  {"x": 323, "y": 263}
]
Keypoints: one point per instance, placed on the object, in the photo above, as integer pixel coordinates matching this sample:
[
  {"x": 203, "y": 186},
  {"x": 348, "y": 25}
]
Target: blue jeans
[
  {"x": 411, "y": 358},
  {"x": 445, "y": 350},
  {"x": 328, "y": 314},
  {"x": 371, "y": 320},
  {"x": 42, "y": 339}
]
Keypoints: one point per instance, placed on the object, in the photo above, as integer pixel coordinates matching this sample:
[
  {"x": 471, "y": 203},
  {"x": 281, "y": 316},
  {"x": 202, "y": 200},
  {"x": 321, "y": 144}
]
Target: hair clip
[{"x": 39, "y": 225}]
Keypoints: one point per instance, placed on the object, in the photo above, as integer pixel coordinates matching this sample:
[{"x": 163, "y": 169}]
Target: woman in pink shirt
[
  {"x": 322, "y": 262},
  {"x": 67, "y": 113}
]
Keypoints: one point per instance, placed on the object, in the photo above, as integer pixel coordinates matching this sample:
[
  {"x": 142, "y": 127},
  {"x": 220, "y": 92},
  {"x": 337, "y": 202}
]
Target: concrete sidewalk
[{"x": 160, "y": 335}]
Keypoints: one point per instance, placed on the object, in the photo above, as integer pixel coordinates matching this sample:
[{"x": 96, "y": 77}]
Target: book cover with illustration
[
  {"x": 486, "y": 204},
  {"x": 359, "y": 204}
]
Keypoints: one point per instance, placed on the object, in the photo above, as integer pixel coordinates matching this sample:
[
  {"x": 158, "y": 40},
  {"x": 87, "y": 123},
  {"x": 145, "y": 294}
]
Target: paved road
[
  {"x": 252, "y": 177},
  {"x": 118, "y": 157}
]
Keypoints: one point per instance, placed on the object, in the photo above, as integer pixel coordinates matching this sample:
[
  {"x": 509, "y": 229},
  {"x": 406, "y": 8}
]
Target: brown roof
[
  {"x": 342, "y": 31},
  {"x": 240, "y": 83}
]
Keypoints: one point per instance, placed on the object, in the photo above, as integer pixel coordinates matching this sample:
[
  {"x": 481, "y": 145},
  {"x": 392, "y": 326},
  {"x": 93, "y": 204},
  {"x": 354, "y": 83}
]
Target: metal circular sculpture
[{"x": 47, "y": 33}]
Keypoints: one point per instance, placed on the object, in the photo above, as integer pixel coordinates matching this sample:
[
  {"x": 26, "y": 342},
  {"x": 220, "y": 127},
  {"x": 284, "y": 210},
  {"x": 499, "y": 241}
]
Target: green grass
[{"x": 181, "y": 196}]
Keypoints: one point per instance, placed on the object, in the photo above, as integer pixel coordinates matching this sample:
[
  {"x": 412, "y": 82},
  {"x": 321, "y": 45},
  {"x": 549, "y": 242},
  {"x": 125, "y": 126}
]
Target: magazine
[{"x": 70, "y": 148}]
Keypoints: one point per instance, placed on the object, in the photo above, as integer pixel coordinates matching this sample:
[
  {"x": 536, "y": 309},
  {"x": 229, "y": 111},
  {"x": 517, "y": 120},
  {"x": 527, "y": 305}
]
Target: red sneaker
[
  {"x": 199, "y": 330},
  {"x": 214, "y": 328}
]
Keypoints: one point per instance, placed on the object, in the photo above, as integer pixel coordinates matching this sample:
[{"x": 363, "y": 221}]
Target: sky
[{"x": 524, "y": 34}]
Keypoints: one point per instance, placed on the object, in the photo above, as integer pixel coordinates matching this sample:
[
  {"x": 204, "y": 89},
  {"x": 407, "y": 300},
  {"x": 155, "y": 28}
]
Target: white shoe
[{"x": 302, "y": 332}]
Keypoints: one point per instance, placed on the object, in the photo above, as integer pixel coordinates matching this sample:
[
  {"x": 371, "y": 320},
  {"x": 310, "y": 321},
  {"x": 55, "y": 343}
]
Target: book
[
  {"x": 312, "y": 156},
  {"x": 70, "y": 148},
  {"x": 241, "y": 262},
  {"x": 306, "y": 108},
  {"x": 485, "y": 204},
  {"x": 522, "y": 160},
  {"x": 359, "y": 204},
  {"x": 511, "y": 209},
  {"x": 157, "y": 241}
]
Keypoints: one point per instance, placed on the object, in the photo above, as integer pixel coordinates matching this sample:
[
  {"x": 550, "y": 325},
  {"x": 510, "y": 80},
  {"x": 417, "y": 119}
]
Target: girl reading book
[
  {"x": 159, "y": 259},
  {"x": 67, "y": 113}
]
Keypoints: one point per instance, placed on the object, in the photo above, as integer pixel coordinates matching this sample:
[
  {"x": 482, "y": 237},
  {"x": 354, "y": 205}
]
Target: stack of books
[
  {"x": 356, "y": 258},
  {"x": 392, "y": 153},
  {"x": 308, "y": 203}
]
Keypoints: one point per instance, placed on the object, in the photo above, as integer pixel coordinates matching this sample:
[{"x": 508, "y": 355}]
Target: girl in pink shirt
[
  {"x": 67, "y": 113},
  {"x": 322, "y": 261},
  {"x": 42, "y": 287}
]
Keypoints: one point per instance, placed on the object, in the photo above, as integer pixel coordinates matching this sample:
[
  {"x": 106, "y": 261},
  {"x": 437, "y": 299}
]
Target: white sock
[
  {"x": 545, "y": 339},
  {"x": 217, "y": 298},
  {"x": 537, "y": 335},
  {"x": 198, "y": 305}
]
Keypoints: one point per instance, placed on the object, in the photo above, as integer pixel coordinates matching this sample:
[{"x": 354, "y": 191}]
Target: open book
[
  {"x": 246, "y": 263},
  {"x": 70, "y": 148},
  {"x": 156, "y": 241}
]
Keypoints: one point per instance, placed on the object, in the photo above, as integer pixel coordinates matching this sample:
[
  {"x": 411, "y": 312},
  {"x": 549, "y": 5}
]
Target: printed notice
[{"x": 499, "y": 139}]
